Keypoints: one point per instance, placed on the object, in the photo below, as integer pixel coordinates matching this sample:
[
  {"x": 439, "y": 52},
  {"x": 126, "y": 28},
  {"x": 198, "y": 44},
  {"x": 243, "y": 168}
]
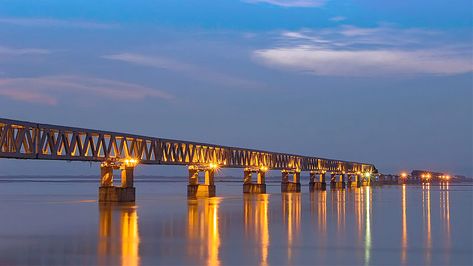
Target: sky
[{"x": 384, "y": 82}]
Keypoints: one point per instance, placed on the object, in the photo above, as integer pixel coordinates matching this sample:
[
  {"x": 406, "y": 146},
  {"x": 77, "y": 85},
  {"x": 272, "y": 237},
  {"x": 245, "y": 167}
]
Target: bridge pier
[
  {"x": 194, "y": 188},
  {"x": 110, "y": 193},
  {"x": 254, "y": 188},
  {"x": 366, "y": 179},
  {"x": 353, "y": 180},
  {"x": 317, "y": 181},
  {"x": 337, "y": 181},
  {"x": 291, "y": 186}
]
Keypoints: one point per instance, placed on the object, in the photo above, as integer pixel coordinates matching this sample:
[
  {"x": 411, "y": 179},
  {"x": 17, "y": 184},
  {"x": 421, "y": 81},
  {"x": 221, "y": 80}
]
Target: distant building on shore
[{"x": 429, "y": 176}]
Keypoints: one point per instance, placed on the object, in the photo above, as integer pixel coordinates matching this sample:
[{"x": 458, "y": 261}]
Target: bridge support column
[
  {"x": 317, "y": 181},
  {"x": 359, "y": 178},
  {"x": 291, "y": 186},
  {"x": 353, "y": 180},
  {"x": 106, "y": 176},
  {"x": 366, "y": 180},
  {"x": 110, "y": 193},
  {"x": 254, "y": 188},
  {"x": 337, "y": 181},
  {"x": 127, "y": 176},
  {"x": 207, "y": 189}
]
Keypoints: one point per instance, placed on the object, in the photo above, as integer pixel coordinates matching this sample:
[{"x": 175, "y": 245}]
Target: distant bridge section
[{"x": 26, "y": 140}]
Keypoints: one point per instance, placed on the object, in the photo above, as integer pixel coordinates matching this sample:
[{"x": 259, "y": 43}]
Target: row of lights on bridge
[
  {"x": 131, "y": 162},
  {"x": 214, "y": 166}
]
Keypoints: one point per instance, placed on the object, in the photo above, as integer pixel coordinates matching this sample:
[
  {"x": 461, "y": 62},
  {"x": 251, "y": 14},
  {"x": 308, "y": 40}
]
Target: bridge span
[{"x": 36, "y": 141}]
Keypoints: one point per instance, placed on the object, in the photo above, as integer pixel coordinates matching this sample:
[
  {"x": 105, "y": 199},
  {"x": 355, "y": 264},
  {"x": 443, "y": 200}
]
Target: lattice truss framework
[{"x": 25, "y": 140}]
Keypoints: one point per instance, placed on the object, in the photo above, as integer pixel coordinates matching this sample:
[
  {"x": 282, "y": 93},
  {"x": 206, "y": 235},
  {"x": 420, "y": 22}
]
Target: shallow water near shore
[{"x": 61, "y": 223}]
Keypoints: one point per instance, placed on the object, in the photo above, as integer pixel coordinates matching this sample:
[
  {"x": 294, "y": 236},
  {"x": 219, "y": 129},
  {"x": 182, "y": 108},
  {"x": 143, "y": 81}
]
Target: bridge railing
[{"x": 25, "y": 140}]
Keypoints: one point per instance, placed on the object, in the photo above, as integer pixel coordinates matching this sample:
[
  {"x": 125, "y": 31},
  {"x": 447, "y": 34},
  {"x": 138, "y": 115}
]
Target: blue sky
[{"x": 388, "y": 82}]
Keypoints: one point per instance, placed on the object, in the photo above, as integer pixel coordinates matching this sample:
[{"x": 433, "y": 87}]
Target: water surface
[{"x": 61, "y": 223}]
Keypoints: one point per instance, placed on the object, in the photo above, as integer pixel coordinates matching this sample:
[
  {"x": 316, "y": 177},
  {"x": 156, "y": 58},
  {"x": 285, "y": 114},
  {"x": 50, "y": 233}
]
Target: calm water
[{"x": 58, "y": 223}]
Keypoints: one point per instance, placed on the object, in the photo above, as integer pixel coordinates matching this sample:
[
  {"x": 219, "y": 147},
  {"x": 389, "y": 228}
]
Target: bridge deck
[{"x": 26, "y": 140}]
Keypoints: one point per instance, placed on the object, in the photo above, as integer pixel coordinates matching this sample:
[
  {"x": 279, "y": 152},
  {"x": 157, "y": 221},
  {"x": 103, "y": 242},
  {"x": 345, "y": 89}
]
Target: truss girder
[{"x": 25, "y": 140}]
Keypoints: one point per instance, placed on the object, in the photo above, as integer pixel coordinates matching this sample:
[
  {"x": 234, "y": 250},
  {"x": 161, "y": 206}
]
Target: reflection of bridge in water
[
  {"x": 118, "y": 234},
  {"x": 206, "y": 226},
  {"x": 203, "y": 228},
  {"x": 256, "y": 225}
]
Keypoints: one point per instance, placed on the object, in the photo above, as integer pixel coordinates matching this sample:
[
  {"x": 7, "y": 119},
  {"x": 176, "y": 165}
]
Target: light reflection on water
[
  {"x": 368, "y": 204},
  {"x": 291, "y": 209},
  {"x": 445, "y": 214},
  {"x": 118, "y": 234},
  {"x": 318, "y": 208},
  {"x": 404, "y": 227},
  {"x": 202, "y": 225},
  {"x": 427, "y": 222},
  {"x": 363, "y": 226},
  {"x": 256, "y": 223}
]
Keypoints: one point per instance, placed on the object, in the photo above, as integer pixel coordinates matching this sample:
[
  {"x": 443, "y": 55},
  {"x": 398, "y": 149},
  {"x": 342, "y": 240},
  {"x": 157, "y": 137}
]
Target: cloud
[
  {"x": 365, "y": 62},
  {"x": 193, "y": 71},
  {"x": 290, "y": 3},
  {"x": 27, "y": 96},
  {"x": 338, "y": 18},
  {"x": 353, "y": 51},
  {"x": 21, "y": 51},
  {"x": 49, "y": 90},
  {"x": 50, "y": 22},
  {"x": 151, "y": 61}
]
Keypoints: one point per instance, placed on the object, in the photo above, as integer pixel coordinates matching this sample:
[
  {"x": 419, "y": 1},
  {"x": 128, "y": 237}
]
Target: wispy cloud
[
  {"x": 50, "y": 90},
  {"x": 354, "y": 51},
  {"x": 192, "y": 71},
  {"x": 151, "y": 61},
  {"x": 290, "y": 3},
  {"x": 338, "y": 18},
  {"x": 51, "y": 22},
  {"x": 365, "y": 62},
  {"x": 22, "y": 51}
]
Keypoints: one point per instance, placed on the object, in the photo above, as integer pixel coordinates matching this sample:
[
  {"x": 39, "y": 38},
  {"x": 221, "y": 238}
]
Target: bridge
[{"x": 121, "y": 151}]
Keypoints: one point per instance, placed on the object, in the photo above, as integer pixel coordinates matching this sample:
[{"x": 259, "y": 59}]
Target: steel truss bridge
[{"x": 27, "y": 140}]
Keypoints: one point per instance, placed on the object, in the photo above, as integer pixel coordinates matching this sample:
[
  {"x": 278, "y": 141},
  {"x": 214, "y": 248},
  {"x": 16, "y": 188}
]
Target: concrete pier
[
  {"x": 196, "y": 189},
  {"x": 293, "y": 185},
  {"x": 353, "y": 181},
  {"x": 365, "y": 179},
  {"x": 249, "y": 186},
  {"x": 110, "y": 193},
  {"x": 106, "y": 175},
  {"x": 201, "y": 190},
  {"x": 290, "y": 187},
  {"x": 117, "y": 194},
  {"x": 317, "y": 181},
  {"x": 254, "y": 188},
  {"x": 337, "y": 181}
]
